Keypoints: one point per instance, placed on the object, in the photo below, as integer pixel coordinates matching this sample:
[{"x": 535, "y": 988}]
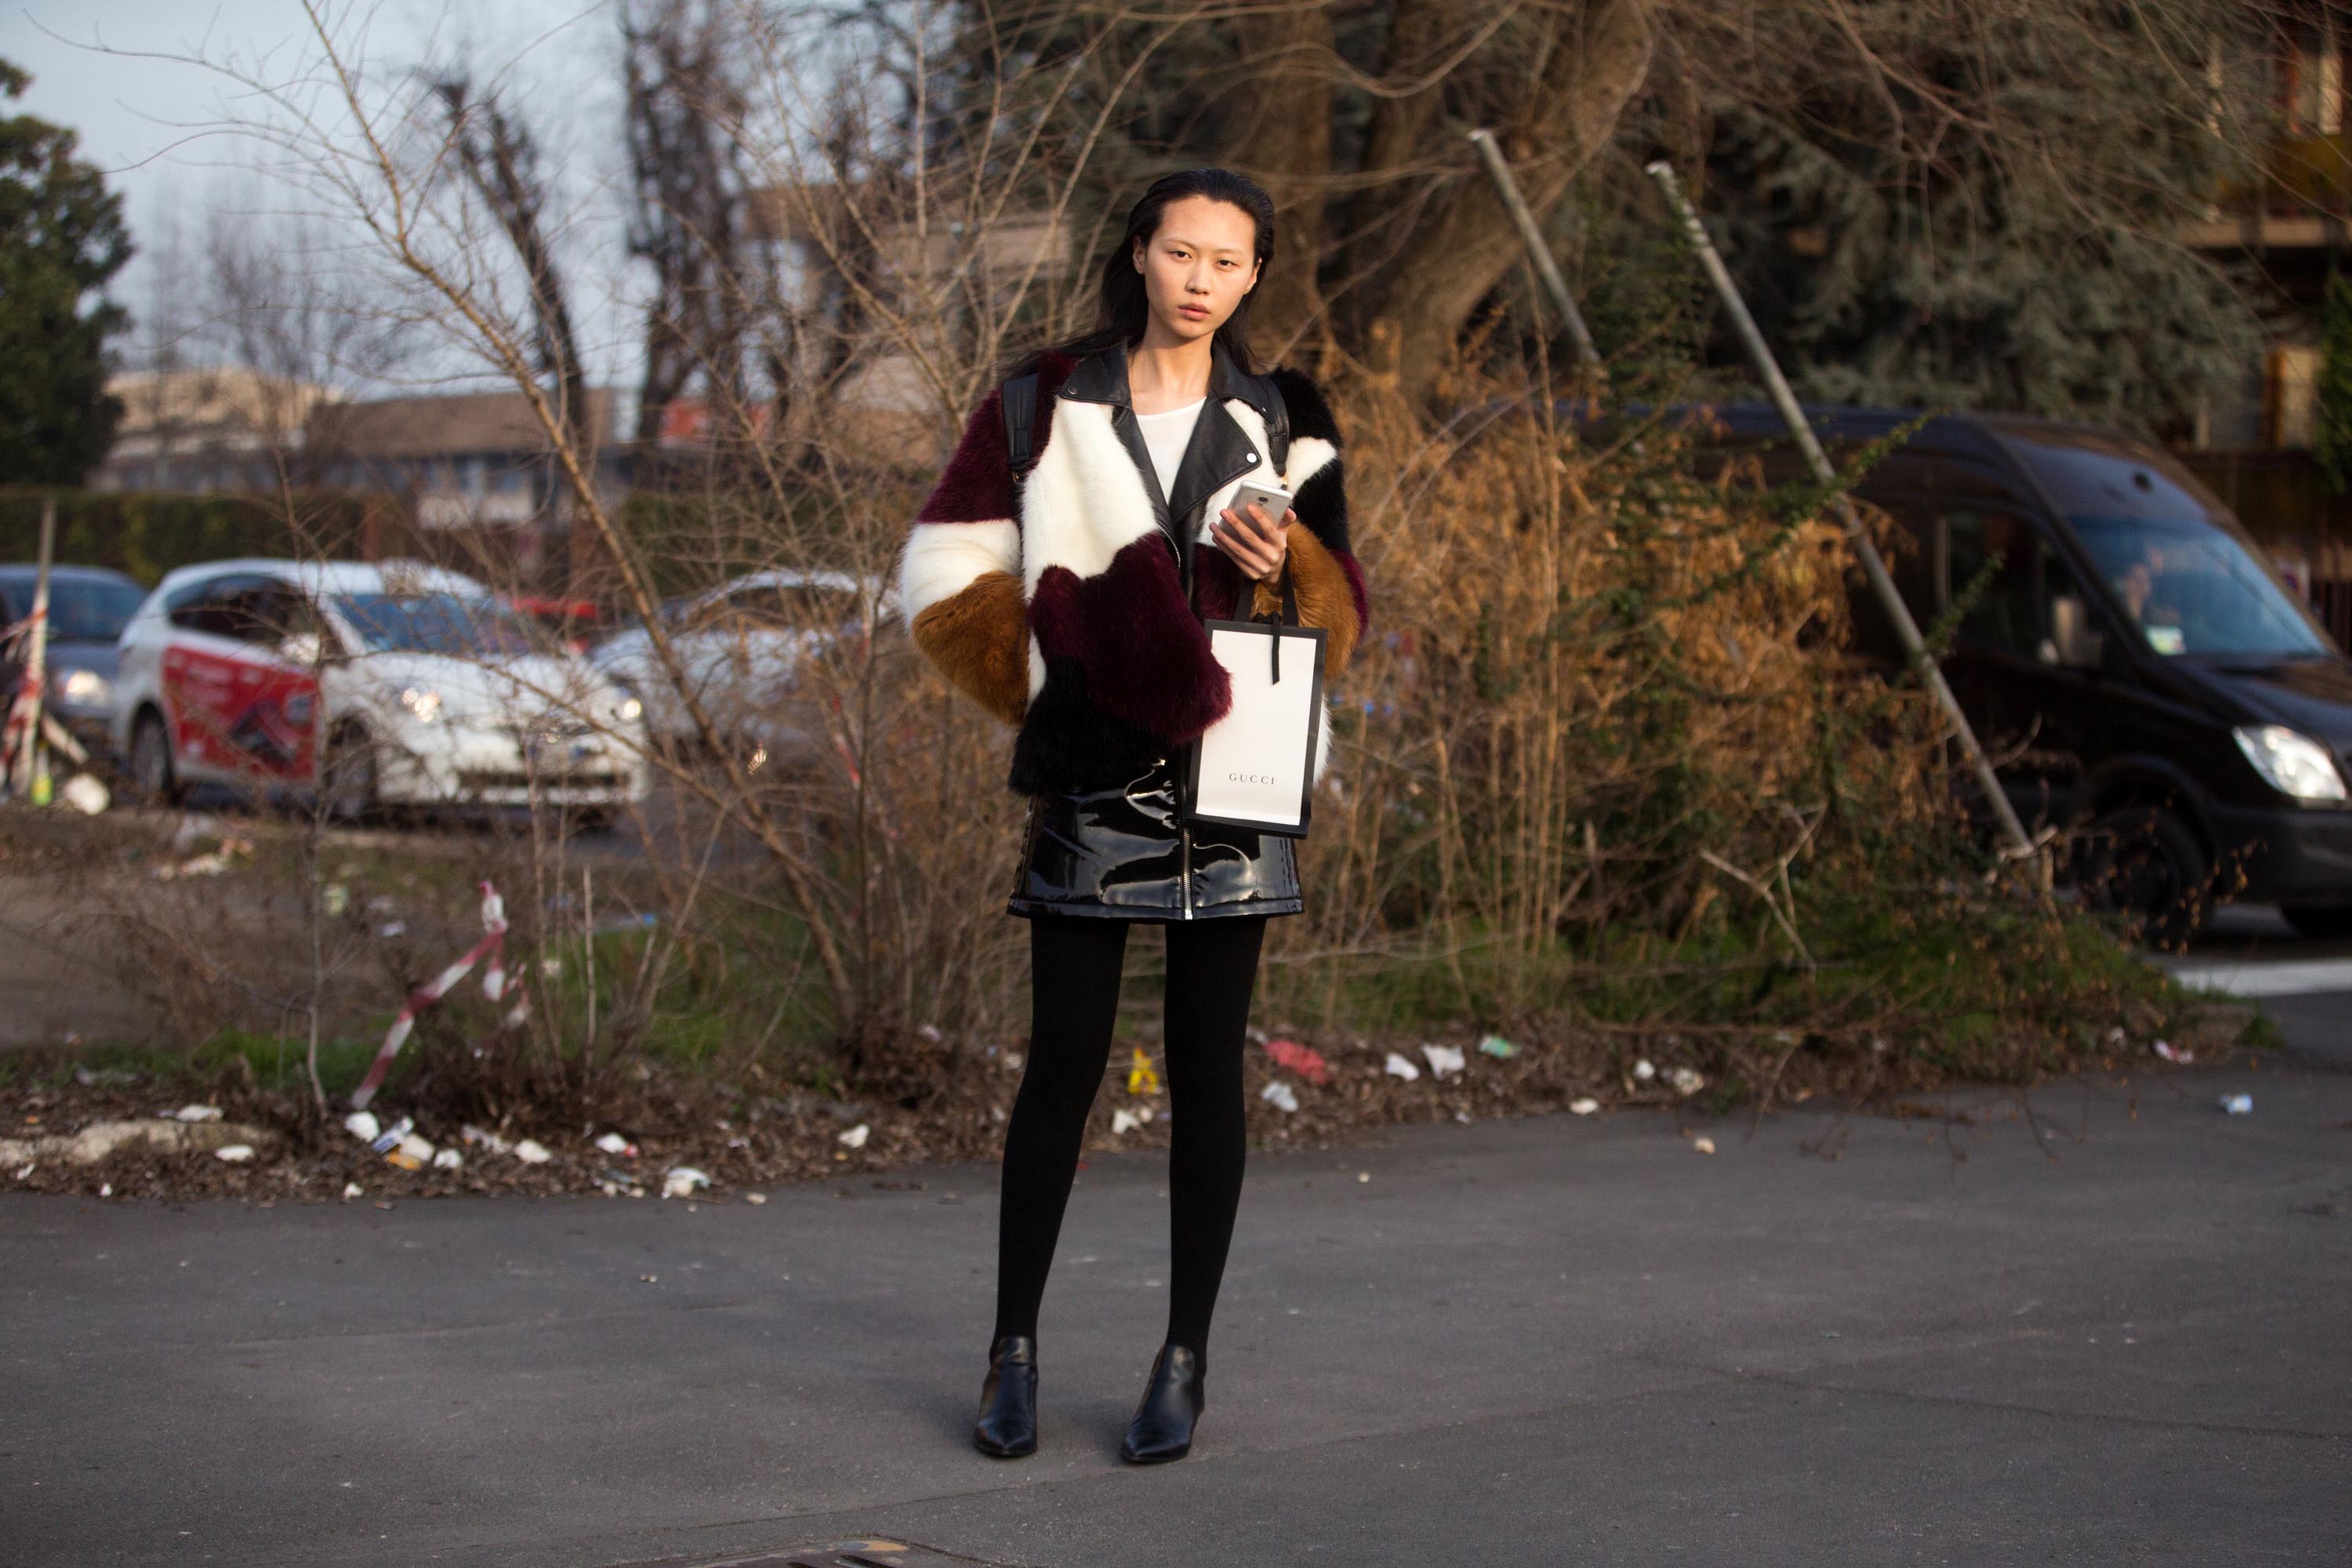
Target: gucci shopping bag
[{"x": 1255, "y": 766}]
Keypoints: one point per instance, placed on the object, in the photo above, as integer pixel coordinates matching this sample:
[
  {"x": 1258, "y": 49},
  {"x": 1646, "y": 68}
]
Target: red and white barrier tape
[{"x": 494, "y": 985}]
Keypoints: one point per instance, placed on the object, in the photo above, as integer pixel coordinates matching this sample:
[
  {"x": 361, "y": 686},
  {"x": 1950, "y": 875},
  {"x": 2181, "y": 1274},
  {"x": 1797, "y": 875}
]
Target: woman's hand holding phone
[{"x": 1255, "y": 542}]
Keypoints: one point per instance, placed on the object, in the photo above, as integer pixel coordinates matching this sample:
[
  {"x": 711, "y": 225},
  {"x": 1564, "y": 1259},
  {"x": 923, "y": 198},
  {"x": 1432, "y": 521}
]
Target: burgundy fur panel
[
  {"x": 1145, "y": 653},
  {"x": 977, "y": 486},
  {"x": 1356, "y": 588},
  {"x": 1217, "y": 584}
]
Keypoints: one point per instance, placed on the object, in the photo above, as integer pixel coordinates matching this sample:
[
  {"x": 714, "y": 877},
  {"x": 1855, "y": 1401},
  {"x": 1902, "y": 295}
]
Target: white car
[
  {"x": 741, "y": 646},
  {"x": 388, "y": 683}
]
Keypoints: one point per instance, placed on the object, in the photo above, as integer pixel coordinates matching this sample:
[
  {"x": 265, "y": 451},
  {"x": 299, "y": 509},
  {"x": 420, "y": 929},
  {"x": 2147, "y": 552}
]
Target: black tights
[{"x": 1074, "y": 969}]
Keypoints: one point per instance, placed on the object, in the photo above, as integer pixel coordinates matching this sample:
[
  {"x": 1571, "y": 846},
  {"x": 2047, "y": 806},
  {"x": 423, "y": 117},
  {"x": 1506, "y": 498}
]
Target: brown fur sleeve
[
  {"x": 979, "y": 639},
  {"x": 1325, "y": 598}
]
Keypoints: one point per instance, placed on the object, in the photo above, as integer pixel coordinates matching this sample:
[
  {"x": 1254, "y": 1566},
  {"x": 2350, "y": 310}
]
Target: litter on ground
[
  {"x": 1304, "y": 1060},
  {"x": 1400, "y": 1066},
  {"x": 1141, "y": 1078}
]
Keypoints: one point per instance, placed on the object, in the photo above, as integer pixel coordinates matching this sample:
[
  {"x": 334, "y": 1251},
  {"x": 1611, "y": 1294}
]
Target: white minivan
[{"x": 378, "y": 683}]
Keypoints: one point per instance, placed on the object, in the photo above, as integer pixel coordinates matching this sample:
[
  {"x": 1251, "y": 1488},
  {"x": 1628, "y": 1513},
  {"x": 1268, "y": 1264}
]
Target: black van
[{"x": 2134, "y": 662}]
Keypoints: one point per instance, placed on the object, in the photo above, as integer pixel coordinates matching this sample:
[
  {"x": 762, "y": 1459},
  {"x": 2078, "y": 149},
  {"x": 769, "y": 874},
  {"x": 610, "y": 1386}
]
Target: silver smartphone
[{"x": 1274, "y": 502}]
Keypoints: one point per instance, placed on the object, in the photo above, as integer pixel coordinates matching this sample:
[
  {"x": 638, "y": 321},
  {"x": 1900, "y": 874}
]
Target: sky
[{"x": 143, "y": 120}]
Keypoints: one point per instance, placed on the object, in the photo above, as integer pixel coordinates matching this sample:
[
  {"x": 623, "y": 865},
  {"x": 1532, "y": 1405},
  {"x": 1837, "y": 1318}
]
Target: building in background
[
  {"x": 477, "y": 477},
  {"x": 221, "y": 429},
  {"x": 2252, "y": 441}
]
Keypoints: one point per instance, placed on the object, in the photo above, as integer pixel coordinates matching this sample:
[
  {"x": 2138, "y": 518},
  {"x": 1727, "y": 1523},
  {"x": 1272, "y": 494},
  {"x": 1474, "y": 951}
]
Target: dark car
[
  {"x": 2134, "y": 659},
  {"x": 89, "y": 607}
]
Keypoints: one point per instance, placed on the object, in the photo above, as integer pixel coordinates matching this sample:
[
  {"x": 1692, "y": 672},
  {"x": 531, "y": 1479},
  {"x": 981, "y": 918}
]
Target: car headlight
[
  {"x": 630, "y": 709},
  {"x": 2294, "y": 764},
  {"x": 423, "y": 704},
  {"x": 83, "y": 688}
]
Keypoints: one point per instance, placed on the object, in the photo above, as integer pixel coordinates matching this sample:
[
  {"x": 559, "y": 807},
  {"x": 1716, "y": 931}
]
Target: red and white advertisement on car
[{"x": 240, "y": 714}]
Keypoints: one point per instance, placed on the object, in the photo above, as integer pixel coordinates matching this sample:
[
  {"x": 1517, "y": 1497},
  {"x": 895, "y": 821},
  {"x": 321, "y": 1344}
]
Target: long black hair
[{"x": 1124, "y": 309}]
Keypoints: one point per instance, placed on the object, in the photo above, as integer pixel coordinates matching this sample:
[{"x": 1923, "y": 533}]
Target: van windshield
[
  {"x": 2193, "y": 588},
  {"x": 433, "y": 623}
]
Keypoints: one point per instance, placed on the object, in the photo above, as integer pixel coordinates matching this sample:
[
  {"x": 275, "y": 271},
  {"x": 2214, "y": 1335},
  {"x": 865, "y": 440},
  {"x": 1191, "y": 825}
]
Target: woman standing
[{"x": 1059, "y": 575}]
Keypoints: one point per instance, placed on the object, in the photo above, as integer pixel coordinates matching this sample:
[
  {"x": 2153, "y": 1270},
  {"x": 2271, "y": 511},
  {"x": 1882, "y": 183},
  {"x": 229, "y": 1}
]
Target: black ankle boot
[
  {"x": 1163, "y": 1427},
  {"x": 1008, "y": 1399}
]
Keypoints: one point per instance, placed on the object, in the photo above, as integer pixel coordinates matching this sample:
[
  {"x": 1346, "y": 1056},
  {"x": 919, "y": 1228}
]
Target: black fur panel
[
  {"x": 1322, "y": 505},
  {"x": 1303, "y": 401},
  {"x": 1068, "y": 743}
]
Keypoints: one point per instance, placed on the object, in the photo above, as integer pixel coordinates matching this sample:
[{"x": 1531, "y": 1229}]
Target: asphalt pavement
[{"x": 2100, "y": 1323}]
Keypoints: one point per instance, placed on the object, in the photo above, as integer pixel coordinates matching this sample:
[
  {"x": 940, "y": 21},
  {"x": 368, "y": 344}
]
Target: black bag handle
[{"x": 1020, "y": 407}]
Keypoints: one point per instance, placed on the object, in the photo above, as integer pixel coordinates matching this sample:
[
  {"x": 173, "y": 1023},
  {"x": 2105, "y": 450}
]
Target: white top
[{"x": 1166, "y": 436}]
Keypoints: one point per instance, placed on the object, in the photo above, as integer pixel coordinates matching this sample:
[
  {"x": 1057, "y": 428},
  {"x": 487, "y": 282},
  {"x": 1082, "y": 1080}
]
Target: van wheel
[
  {"x": 2321, "y": 923},
  {"x": 152, "y": 777},
  {"x": 2147, "y": 866},
  {"x": 347, "y": 776}
]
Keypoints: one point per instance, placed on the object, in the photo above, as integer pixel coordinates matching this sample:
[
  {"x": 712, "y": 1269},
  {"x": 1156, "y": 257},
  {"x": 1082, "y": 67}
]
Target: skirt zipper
[{"x": 1184, "y": 854}]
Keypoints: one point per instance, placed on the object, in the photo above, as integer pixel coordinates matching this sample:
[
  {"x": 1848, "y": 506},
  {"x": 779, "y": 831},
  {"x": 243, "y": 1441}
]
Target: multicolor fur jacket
[{"x": 1070, "y": 601}]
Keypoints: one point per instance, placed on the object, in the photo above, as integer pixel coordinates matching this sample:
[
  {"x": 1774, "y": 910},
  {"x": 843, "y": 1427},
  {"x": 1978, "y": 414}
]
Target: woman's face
[{"x": 1198, "y": 266}]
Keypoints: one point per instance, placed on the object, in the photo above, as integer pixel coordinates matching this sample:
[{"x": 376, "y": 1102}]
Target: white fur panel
[
  {"x": 1036, "y": 667},
  {"x": 1308, "y": 454},
  {"x": 1083, "y": 502},
  {"x": 942, "y": 559},
  {"x": 1308, "y": 457},
  {"x": 1322, "y": 741}
]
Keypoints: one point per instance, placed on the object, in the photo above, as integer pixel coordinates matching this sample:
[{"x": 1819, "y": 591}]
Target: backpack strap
[
  {"x": 1020, "y": 406},
  {"x": 1277, "y": 425}
]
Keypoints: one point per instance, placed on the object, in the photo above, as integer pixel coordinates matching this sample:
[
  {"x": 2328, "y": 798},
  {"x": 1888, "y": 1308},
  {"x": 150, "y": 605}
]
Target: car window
[
  {"x": 435, "y": 623},
  {"x": 2192, "y": 587},
  {"x": 765, "y": 606},
  {"x": 271, "y": 612},
  {"x": 823, "y": 605},
  {"x": 2025, "y": 574},
  {"x": 1908, "y": 550},
  {"x": 211, "y": 604},
  {"x": 88, "y": 609}
]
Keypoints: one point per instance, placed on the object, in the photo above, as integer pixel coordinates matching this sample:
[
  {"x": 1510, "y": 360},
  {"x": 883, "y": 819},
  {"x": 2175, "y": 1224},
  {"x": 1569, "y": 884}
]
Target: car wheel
[
  {"x": 2145, "y": 865},
  {"x": 2335, "y": 921},
  {"x": 347, "y": 782},
  {"x": 152, "y": 777}
]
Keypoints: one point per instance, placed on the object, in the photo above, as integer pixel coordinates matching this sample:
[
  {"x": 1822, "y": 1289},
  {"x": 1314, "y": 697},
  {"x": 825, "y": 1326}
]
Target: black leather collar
[
  {"x": 1219, "y": 452},
  {"x": 1102, "y": 378}
]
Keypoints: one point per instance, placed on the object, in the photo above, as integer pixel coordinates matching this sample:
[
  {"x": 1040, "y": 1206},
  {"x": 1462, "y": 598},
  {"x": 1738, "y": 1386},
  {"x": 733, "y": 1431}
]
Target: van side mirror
[{"x": 2072, "y": 643}]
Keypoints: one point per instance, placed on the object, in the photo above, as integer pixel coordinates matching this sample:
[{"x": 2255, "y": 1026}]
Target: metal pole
[
  {"x": 33, "y": 762},
  {"x": 1873, "y": 567},
  {"x": 1588, "y": 358}
]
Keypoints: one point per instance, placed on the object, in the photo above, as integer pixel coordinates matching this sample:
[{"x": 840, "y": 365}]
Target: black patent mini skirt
[{"x": 1126, "y": 852}]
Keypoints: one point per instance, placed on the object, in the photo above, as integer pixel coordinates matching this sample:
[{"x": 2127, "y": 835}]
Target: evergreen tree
[
  {"x": 1997, "y": 225},
  {"x": 62, "y": 238}
]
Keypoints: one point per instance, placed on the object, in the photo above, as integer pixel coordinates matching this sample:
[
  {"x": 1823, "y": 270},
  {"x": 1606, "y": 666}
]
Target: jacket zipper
[
  {"x": 1176, "y": 787},
  {"x": 1183, "y": 829}
]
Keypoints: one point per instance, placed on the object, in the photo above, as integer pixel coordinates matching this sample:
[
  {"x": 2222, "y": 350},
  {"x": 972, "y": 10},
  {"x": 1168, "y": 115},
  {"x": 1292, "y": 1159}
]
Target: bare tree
[{"x": 683, "y": 60}]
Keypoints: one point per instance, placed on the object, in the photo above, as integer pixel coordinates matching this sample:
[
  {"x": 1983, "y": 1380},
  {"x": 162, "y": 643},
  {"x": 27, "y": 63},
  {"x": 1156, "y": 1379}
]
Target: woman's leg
[
  {"x": 1212, "y": 971},
  {"x": 1074, "y": 967}
]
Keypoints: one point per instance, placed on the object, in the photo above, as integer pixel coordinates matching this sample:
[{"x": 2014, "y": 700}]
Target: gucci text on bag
[{"x": 1255, "y": 766}]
